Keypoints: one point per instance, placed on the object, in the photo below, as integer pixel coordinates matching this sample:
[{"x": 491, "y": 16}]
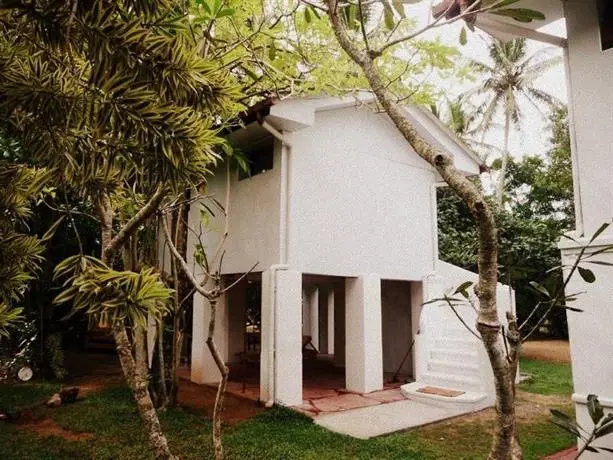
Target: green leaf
[
  {"x": 594, "y": 408},
  {"x": 225, "y": 12},
  {"x": 565, "y": 422},
  {"x": 540, "y": 288},
  {"x": 399, "y": 7},
  {"x": 605, "y": 428},
  {"x": 307, "y": 15},
  {"x": 520, "y": 14},
  {"x": 587, "y": 274},
  {"x": 598, "y": 232},
  {"x": 388, "y": 16},
  {"x": 272, "y": 50},
  {"x": 463, "y": 36}
]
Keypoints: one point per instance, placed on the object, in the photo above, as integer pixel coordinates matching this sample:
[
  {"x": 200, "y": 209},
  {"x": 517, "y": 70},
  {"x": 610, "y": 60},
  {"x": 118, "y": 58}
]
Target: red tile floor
[{"x": 323, "y": 387}]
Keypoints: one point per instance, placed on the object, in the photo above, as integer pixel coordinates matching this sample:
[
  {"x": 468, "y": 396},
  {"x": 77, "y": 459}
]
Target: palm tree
[
  {"x": 462, "y": 118},
  {"x": 509, "y": 82}
]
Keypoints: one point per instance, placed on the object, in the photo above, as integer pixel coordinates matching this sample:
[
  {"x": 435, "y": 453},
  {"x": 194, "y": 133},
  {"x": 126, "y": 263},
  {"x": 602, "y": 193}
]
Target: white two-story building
[{"x": 339, "y": 214}]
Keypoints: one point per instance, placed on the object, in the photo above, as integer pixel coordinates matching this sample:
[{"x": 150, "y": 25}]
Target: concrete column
[
  {"x": 306, "y": 313},
  {"x": 281, "y": 355},
  {"x": 237, "y": 305},
  {"x": 323, "y": 320},
  {"x": 330, "y": 320},
  {"x": 339, "y": 325},
  {"x": 363, "y": 346},
  {"x": 314, "y": 312},
  {"x": 203, "y": 368}
]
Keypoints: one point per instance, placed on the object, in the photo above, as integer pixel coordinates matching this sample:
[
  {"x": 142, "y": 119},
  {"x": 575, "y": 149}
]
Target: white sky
[{"x": 533, "y": 137}]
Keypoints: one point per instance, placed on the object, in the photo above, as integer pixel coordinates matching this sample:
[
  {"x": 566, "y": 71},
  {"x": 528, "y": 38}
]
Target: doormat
[{"x": 441, "y": 392}]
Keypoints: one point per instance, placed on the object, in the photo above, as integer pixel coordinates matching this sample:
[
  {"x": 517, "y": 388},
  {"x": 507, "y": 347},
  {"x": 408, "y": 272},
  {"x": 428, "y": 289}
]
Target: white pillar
[
  {"x": 330, "y": 322},
  {"x": 203, "y": 367},
  {"x": 363, "y": 346},
  {"x": 281, "y": 355},
  {"x": 339, "y": 325},
  {"x": 306, "y": 313},
  {"x": 314, "y": 312}
]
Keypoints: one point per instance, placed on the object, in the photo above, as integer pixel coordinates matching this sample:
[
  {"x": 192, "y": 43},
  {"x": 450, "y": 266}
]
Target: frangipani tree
[{"x": 365, "y": 43}]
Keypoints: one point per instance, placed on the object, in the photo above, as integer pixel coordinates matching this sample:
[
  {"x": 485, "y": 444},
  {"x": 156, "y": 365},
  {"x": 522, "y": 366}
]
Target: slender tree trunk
[
  {"x": 180, "y": 286},
  {"x": 164, "y": 398},
  {"x": 488, "y": 322},
  {"x": 221, "y": 388},
  {"x": 137, "y": 383},
  {"x": 500, "y": 186}
]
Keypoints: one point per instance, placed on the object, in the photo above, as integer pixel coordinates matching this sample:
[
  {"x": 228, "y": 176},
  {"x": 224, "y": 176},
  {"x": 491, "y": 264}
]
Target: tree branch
[
  {"x": 183, "y": 264},
  {"x": 128, "y": 229}
]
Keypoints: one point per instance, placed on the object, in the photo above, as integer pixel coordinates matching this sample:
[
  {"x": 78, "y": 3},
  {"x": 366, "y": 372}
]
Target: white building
[
  {"x": 340, "y": 215},
  {"x": 589, "y": 55}
]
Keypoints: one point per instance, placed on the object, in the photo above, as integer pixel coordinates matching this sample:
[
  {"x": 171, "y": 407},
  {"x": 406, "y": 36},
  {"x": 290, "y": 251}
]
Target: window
[
  {"x": 259, "y": 157},
  {"x": 605, "y": 12}
]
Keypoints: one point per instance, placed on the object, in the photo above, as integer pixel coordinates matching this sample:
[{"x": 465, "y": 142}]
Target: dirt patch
[
  {"x": 47, "y": 427},
  {"x": 529, "y": 407},
  {"x": 557, "y": 351},
  {"x": 201, "y": 399}
]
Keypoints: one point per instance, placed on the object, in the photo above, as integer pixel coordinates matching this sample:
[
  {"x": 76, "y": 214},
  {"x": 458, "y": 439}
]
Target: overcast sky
[{"x": 533, "y": 137}]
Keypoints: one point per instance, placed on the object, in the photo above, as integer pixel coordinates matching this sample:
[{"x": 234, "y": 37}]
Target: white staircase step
[
  {"x": 458, "y": 368},
  {"x": 454, "y": 343},
  {"x": 446, "y": 354},
  {"x": 457, "y": 382},
  {"x": 470, "y": 401}
]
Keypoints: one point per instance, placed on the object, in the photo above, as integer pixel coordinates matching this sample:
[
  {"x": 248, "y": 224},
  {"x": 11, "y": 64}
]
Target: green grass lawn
[
  {"x": 111, "y": 417},
  {"x": 547, "y": 378}
]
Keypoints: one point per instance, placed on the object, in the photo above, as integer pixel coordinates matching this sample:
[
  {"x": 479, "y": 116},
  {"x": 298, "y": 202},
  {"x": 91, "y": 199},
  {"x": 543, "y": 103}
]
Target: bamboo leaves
[{"x": 98, "y": 290}]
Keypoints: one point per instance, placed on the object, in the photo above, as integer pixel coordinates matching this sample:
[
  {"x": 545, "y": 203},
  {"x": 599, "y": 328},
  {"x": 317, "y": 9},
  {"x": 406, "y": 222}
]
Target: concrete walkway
[{"x": 368, "y": 422}]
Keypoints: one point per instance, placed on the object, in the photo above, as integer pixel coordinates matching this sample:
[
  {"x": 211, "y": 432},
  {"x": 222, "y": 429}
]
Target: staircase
[{"x": 453, "y": 364}]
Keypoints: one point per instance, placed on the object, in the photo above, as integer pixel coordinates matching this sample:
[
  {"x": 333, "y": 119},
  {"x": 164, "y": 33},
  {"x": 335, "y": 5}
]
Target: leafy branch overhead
[{"x": 111, "y": 91}]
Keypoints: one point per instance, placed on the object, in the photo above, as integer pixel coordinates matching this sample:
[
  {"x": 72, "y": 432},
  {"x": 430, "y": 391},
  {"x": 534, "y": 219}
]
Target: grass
[
  {"x": 547, "y": 378},
  {"x": 111, "y": 417}
]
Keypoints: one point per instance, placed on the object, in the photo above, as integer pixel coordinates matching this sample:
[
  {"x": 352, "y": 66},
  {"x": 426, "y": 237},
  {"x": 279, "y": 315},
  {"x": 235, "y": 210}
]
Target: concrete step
[
  {"x": 470, "y": 401},
  {"x": 460, "y": 344},
  {"x": 458, "y": 382},
  {"x": 445, "y": 354},
  {"x": 459, "y": 368}
]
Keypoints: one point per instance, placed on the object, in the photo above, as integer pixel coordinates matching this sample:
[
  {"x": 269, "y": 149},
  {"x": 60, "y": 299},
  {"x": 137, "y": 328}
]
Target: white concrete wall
[
  {"x": 254, "y": 219},
  {"x": 591, "y": 98},
  {"x": 591, "y": 341},
  {"x": 360, "y": 199}
]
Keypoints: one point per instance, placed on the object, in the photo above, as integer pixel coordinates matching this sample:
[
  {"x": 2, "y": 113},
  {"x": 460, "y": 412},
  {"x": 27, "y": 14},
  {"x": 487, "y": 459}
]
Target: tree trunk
[
  {"x": 181, "y": 288},
  {"x": 137, "y": 382},
  {"x": 500, "y": 186},
  {"x": 488, "y": 322},
  {"x": 221, "y": 388}
]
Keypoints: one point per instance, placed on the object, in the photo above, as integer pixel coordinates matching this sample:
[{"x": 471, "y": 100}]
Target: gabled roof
[{"x": 299, "y": 113}]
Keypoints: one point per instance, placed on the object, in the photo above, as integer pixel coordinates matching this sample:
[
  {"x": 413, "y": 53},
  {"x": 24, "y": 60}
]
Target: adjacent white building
[
  {"x": 339, "y": 214},
  {"x": 589, "y": 58}
]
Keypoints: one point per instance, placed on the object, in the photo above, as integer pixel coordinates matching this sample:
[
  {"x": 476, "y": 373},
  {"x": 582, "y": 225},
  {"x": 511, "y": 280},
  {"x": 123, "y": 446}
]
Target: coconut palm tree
[
  {"x": 463, "y": 118},
  {"x": 510, "y": 82}
]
